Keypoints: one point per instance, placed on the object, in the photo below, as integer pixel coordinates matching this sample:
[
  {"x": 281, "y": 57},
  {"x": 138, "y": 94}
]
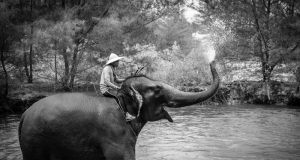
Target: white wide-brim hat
[{"x": 113, "y": 58}]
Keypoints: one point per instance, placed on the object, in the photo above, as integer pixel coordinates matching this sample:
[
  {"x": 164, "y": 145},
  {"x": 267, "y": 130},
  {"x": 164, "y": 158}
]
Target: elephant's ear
[{"x": 139, "y": 99}]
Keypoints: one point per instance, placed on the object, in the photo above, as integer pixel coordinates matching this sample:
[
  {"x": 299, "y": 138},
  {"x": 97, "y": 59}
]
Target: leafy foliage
[{"x": 68, "y": 42}]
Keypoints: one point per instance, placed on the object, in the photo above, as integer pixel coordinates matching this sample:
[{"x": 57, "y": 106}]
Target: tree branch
[
  {"x": 82, "y": 70},
  {"x": 196, "y": 9},
  {"x": 258, "y": 29},
  {"x": 150, "y": 20},
  {"x": 272, "y": 66}
]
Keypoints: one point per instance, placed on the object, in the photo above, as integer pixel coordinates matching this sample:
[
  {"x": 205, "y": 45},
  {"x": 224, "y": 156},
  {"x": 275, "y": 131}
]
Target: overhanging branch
[
  {"x": 272, "y": 66},
  {"x": 152, "y": 19}
]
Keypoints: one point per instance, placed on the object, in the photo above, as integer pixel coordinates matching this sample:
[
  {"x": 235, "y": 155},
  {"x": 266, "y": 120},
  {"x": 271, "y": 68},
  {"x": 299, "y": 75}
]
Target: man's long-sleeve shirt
[{"x": 108, "y": 78}]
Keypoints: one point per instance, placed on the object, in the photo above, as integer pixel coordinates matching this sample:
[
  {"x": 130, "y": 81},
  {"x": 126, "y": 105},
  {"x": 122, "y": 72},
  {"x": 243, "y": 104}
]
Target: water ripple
[{"x": 203, "y": 133}]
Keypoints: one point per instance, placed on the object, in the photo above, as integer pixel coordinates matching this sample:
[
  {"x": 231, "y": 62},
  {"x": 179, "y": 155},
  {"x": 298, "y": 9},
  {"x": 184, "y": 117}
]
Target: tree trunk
[
  {"x": 26, "y": 64},
  {"x": 31, "y": 5},
  {"x": 82, "y": 2},
  {"x": 266, "y": 85},
  {"x": 63, "y": 4},
  {"x": 297, "y": 75},
  {"x": 54, "y": 3},
  {"x": 74, "y": 67},
  {"x": 79, "y": 41},
  {"x": 30, "y": 58},
  {"x": 291, "y": 7},
  {"x": 21, "y": 5},
  {"x": 55, "y": 69},
  {"x": 266, "y": 73},
  {"x": 30, "y": 52},
  {"x": 263, "y": 49},
  {"x": 67, "y": 71},
  {"x": 5, "y": 73},
  {"x": 72, "y": 3},
  {"x": 42, "y": 2},
  {"x": 50, "y": 4}
]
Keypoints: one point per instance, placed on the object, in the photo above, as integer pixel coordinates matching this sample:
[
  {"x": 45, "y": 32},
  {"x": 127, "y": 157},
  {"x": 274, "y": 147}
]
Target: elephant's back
[
  {"x": 68, "y": 102},
  {"x": 61, "y": 107},
  {"x": 62, "y": 117}
]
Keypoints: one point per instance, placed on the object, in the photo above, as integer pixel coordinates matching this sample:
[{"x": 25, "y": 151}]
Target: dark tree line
[
  {"x": 17, "y": 15},
  {"x": 24, "y": 23},
  {"x": 67, "y": 35}
]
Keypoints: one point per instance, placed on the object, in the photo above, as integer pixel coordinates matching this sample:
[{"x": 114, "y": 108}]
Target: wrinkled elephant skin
[{"x": 75, "y": 127}]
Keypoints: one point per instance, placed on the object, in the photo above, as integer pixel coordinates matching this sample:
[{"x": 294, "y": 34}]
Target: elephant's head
[{"x": 146, "y": 98}]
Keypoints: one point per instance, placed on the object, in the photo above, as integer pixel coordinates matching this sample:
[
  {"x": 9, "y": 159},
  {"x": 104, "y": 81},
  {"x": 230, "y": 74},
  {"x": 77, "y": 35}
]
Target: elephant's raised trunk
[{"x": 179, "y": 98}]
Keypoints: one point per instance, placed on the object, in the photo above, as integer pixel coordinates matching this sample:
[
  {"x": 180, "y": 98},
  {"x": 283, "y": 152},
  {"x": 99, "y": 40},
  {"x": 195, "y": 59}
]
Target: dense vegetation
[{"x": 58, "y": 45}]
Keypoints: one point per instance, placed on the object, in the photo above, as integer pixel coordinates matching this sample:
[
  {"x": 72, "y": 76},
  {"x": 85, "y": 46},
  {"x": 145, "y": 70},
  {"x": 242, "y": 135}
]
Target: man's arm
[{"x": 118, "y": 80}]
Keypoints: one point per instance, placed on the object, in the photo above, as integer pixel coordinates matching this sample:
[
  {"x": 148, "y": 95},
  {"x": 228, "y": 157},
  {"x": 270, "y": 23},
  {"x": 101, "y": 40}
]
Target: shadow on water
[{"x": 203, "y": 132}]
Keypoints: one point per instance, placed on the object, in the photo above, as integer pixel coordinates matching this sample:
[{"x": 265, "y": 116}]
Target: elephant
[{"x": 76, "y": 126}]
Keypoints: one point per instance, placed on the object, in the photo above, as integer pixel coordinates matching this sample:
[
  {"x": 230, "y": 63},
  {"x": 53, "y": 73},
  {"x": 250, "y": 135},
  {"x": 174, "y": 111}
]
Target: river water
[{"x": 203, "y": 133}]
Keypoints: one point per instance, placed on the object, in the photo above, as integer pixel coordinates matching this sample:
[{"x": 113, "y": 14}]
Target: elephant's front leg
[
  {"x": 117, "y": 140},
  {"x": 119, "y": 151}
]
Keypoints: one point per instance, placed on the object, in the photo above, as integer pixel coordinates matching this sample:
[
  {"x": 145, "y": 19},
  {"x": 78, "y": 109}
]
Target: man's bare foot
[{"x": 129, "y": 117}]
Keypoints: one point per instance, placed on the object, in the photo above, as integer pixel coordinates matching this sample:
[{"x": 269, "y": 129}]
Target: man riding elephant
[
  {"x": 108, "y": 79},
  {"x": 76, "y": 126}
]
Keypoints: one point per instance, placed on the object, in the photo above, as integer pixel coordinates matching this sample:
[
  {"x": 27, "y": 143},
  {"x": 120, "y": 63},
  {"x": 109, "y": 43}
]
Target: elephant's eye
[
  {"x": 157, "y": 89},
  {"x": 154, "y": 91},
  {"x": 151, "y": 89}
]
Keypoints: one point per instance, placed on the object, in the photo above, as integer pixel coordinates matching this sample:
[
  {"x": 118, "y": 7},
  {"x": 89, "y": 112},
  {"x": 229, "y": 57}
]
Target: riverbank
[
  {"x": 19, "y": 102},
  {"x": 250, "y": 92},
  {"x": 242, "y": 92},
  {"x": 22, "y": 96}
]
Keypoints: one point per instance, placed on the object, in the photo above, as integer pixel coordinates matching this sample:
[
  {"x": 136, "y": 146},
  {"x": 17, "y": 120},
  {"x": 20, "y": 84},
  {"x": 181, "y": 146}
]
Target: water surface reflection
[{"x": 223, "y": 132}]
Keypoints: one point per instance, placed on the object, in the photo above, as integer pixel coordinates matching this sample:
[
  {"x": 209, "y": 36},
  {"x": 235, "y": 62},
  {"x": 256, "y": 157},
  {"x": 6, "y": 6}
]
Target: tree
[
  {"x": 61, "y": 35},
  {"x": 174, "y": 28},
  {"x": 8, "y": 34},
  {"x": 259, "y": 27}
]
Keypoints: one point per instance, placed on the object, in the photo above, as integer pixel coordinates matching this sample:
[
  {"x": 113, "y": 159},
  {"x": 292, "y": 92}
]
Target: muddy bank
[
  {"x": 22, "y": 96},
  {"x": 19, "y": 102}
]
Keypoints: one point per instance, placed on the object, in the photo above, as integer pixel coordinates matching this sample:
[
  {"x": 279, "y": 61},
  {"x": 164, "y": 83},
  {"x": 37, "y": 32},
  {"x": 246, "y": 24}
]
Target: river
[{"x": 246, "y": 132}]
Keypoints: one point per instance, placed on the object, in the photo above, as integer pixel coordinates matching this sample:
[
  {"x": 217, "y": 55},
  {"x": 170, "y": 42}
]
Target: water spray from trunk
[
  {"x": 206, "y": 43},
  {"x": 210, "y": 54}
]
